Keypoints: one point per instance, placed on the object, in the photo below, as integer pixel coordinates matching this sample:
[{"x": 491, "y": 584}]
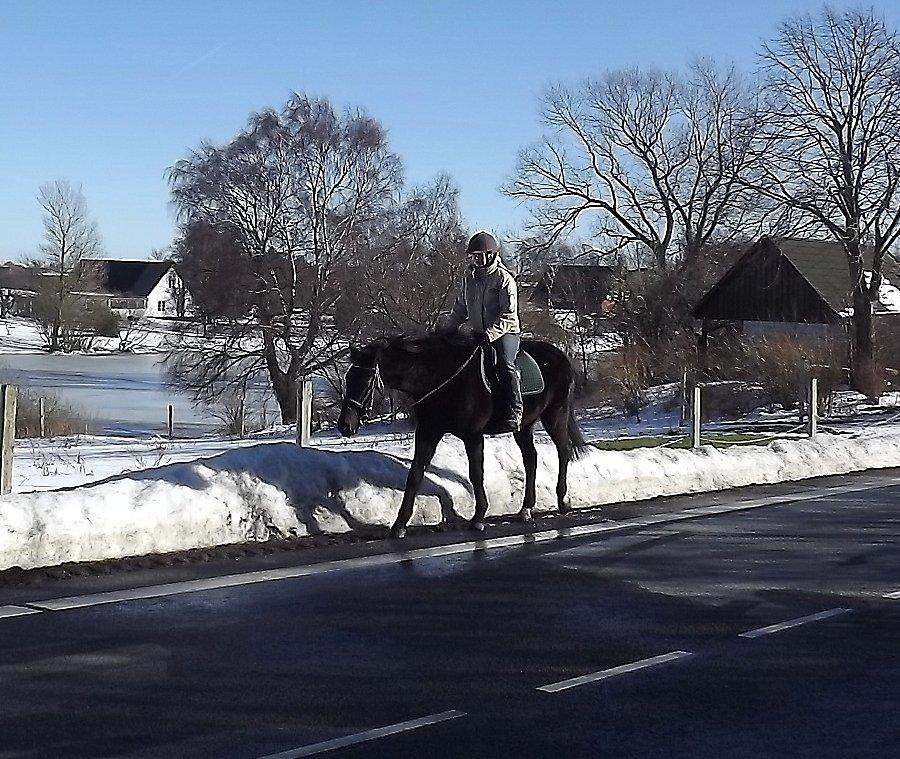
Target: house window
[{"x": 161, "y": 306}]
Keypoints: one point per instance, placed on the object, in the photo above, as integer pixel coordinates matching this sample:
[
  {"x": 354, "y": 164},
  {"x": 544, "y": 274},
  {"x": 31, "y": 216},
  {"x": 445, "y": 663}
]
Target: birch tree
[
  {"x": 70, "y": 240},
  {"x": 284, "y": 206}
]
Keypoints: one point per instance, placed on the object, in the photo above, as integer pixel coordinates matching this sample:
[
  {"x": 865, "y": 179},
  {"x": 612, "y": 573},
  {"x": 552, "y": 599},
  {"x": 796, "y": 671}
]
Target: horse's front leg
[
  {"x": 426, "y": 444},
  {"x": 525, "y": 440},
  {"x": 475, "y": 451}
]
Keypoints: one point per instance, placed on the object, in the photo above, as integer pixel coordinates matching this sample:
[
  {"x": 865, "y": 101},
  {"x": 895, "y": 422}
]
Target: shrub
[
  {"x": 60, "y": 419},
  {"x": 624, "y": 379},
  {"x": 783, "y": 366}
]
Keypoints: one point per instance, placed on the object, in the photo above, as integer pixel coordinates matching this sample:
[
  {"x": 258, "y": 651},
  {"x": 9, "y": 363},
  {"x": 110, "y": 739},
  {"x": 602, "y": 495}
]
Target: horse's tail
[{"x": 577, "y": 444}]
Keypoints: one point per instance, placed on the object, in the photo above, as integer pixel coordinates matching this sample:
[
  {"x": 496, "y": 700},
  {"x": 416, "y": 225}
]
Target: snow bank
[{"x": 277, "y": 489}]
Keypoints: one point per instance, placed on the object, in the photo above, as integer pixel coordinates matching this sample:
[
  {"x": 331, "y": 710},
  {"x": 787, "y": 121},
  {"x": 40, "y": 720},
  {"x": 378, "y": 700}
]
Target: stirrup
[{"x": 509, "y": 425}]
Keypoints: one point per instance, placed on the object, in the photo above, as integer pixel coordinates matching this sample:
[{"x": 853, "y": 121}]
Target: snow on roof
[{"x": 888, "y": 301}]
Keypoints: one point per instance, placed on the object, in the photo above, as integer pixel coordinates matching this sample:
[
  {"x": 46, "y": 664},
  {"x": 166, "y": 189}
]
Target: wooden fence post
[
  {"x": 42, "y": 414},
  {"x": 684, "y": 398},
  {"x": 695, "y": 416},
  {"x": 171, "y": 421},
  {"x": 813, "y": 405},
  {"x": 243, "y": 410},
  {"x": 304, "y": 412},
  {"x": 7, "y": 436}
]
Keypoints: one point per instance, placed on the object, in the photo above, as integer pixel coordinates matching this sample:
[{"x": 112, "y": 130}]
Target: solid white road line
[
  {"x": 16, "y": 611},
  {"x": 894, "y": 596},
  {"x": 368, "y": 735},
  {"x": 397, "y": 557},
  {"x": 614, "y": 671},
  {"x": 759, "y": 632}
]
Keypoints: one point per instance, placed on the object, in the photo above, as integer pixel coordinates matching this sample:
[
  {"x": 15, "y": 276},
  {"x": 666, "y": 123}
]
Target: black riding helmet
[
  {"x": 482, "y": 241},
  {"x": 485, "y": 248}
]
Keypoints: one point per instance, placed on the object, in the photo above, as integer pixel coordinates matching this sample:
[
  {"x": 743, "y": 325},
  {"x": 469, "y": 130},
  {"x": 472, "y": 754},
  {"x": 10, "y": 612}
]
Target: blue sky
[{"x": 109, "y": 94}]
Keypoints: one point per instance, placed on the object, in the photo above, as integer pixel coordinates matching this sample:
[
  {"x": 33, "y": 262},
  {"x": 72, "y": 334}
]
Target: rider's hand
[{"x": 484, "y": 340}]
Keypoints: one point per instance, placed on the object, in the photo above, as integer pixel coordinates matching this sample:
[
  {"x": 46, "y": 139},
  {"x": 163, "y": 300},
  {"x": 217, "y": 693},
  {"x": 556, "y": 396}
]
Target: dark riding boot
[{"x": 509, "y": 410}]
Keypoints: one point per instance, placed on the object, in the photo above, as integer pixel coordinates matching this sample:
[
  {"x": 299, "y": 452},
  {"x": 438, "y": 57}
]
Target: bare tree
[
  {"x": 275, "y": 218},
  {"x": 70, "y": 240},
  {"x": 406, "y": 278},
  {"x": 649, "y": 157},
  {"x": 831, "y": 143}
]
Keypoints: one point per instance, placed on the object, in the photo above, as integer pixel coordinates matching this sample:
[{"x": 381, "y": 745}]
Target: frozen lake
[{"x": 119, "y": 394}]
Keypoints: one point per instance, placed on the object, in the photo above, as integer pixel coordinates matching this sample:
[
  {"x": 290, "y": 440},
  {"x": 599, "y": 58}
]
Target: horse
[{"x": 442, "y": 375}]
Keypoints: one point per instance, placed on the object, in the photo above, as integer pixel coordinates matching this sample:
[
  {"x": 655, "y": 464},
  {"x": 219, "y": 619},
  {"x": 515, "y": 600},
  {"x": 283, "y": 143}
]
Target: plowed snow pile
[{"x": 260, "y": 491}]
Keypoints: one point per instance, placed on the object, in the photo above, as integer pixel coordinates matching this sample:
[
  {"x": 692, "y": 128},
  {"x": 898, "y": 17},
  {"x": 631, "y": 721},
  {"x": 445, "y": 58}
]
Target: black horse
[{"x": 443, "y": 376}]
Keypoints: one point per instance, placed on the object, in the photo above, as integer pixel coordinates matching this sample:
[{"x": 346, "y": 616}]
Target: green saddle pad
[
  {"x": 530, "y": 377},
  {"x": 530, "y": 374}
]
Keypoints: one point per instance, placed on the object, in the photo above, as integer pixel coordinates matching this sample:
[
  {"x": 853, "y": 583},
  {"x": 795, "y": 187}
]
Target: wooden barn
[
  {"x": 790, "y": 286},
  {"x": 780, "y": 283}
]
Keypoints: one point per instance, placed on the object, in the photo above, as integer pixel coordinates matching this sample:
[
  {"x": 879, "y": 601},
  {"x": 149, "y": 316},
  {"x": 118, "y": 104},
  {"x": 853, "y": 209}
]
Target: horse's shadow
[{"x": 311, "y": 477}]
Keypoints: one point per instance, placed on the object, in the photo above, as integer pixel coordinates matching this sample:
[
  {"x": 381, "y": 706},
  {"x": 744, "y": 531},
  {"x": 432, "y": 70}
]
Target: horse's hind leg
[
  {"x": 525, "y": 440},
  {"x": 426, "y": 445},
  {"x": 556, "y": 423},
  {"x": 475, "y": 452}
]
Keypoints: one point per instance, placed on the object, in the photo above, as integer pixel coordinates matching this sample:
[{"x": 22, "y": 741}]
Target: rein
[
  {"x": 449, "y": 379},
  {"x": 364, "y": 404}
]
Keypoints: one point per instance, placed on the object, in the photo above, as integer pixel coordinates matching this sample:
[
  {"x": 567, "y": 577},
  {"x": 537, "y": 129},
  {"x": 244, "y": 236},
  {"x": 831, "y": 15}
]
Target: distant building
[
  {"x": 140, "y": 288},
  {"x": 585, "y": 288},
  {"x": 18, "y": 288}
]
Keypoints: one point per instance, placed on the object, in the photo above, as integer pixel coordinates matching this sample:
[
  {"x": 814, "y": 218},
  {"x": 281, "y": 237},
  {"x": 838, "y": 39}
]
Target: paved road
[{"x": 487, "y": 646}]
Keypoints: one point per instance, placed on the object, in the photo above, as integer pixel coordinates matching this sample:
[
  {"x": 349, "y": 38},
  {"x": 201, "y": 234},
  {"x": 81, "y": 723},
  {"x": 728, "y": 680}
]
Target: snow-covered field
[
  {"x": 204, "y": 493},
  {"x": 20, "y": 335}
]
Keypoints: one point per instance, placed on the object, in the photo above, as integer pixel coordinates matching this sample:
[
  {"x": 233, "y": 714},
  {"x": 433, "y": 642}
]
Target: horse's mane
[{"x": 429, "y": 342}]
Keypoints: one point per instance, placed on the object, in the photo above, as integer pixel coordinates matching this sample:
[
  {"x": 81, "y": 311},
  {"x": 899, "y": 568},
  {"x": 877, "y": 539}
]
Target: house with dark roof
[
  {"x": 140, "y": 288},
  {"x": 790, "y": 286},
  {"x": 582, "y": 287},
  {"x": 18, "y": 289}
]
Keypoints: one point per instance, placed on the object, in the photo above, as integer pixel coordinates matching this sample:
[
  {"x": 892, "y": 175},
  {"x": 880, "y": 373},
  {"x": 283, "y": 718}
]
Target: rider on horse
[{"x": 488, "y": 302}]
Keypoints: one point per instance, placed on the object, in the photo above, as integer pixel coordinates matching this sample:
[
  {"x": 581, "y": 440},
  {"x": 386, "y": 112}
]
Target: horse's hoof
[
  {"x": 398, "y": 532},
  {"x": 478, "y": 526},
  {"x": 565, "y": 507},
  {"x": 525, "y": 515}
]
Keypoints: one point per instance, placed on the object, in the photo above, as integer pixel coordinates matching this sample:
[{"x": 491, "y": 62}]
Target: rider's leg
[{"x": 507, "y": 348}]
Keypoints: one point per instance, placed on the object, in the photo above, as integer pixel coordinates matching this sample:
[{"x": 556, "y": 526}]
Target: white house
[{"x": 141, "y": 288}]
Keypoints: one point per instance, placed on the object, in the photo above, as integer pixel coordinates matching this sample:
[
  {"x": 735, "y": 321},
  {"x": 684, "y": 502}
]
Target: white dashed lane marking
[
  {"x": 759, "y": 632},
  {"x": 614, "y": 671},
  {"x": 368, "y": 735},
  {"x": 16, "y": 611}
]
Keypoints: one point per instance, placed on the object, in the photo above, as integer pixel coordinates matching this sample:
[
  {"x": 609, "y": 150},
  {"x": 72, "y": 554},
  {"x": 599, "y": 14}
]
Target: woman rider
[{"x": 488, "y": 302}]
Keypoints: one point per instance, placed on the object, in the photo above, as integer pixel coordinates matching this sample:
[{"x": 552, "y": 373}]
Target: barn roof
[
  {"x": 783, "y": 279},
  {"x": 128, "y": 279},
  {"x": 822, "y": 263}
]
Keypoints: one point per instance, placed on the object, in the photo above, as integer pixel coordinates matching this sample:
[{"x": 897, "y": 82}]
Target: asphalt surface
[{"x": 467, "y": 639}]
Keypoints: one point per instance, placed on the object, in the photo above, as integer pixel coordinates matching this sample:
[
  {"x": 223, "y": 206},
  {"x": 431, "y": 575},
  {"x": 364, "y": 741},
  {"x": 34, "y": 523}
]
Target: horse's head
[{"x": 359, "y": 387}]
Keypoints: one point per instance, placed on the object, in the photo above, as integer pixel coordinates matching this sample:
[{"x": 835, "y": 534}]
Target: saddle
[{"x": 530, "y": 377}]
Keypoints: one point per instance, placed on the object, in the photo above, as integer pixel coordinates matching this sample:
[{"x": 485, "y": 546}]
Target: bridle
[{"x": 364, "y": 404}]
